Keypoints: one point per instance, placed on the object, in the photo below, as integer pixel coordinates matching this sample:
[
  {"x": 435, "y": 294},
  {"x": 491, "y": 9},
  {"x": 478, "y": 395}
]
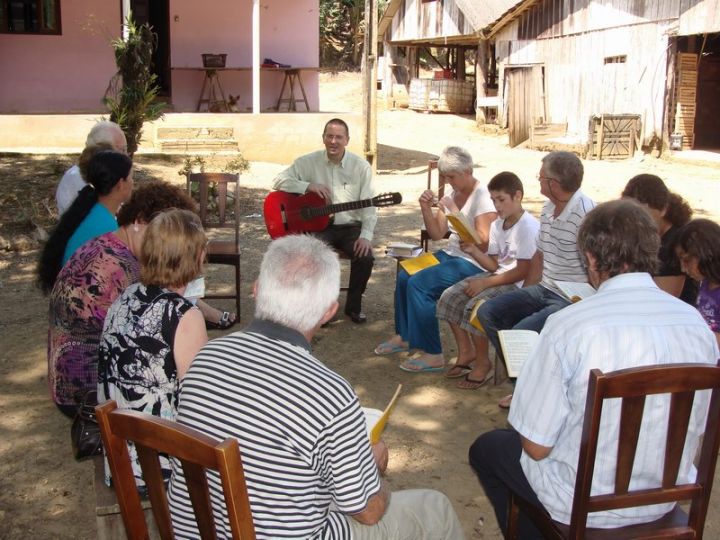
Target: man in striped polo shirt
[
  {"x": 557, "y": 257},
  {"x": 309, "y": 466}
]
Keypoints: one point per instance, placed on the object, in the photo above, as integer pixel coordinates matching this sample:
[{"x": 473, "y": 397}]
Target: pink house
[{"x": 59, "y": 54}]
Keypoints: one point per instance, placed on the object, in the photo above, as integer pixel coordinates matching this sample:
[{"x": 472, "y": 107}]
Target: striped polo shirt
[
  {"x": 558, "y": 241},
  {"x": 301, "y": 430}
]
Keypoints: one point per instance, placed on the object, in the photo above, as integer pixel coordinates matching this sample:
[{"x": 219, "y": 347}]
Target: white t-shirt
[
  {"x": 517, "y": 242},
  {"x": 479, "y": 202},
  {"x": 70, "y": 185}
]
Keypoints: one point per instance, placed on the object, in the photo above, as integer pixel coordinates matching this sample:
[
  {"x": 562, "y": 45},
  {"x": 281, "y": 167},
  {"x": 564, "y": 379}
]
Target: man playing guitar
[{"x": 339, "y": 176}]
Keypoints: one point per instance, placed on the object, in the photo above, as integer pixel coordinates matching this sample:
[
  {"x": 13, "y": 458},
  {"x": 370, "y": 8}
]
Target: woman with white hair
[{"x": 416, "y": 326}]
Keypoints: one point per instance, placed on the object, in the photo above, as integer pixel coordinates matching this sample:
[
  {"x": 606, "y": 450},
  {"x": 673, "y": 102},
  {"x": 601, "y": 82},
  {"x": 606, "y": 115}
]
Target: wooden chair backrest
[
  {"x": 222, "y": 181},
  {"x": 196, "y": 453},
  {"x": 633, "y": 385},
  {"x": 440, "y": 189}
]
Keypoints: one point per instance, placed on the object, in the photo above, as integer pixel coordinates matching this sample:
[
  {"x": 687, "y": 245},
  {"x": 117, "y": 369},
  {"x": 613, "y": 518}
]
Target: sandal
[
  {"x": 227, "y": 320},
  {"x": 457, "y": 370},
  {"x": 388, "y": 347},
  {"x": 473, "y": 384},
  {"x": 504, "y": 403}
]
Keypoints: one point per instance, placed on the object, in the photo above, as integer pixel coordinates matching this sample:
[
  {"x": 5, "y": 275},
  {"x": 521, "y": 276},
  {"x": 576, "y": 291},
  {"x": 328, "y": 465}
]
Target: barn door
[{"x": 526, "y": 103}]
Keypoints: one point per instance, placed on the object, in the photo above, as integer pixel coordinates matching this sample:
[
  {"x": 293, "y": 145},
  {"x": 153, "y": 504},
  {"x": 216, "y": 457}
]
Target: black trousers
[
  {"x": 342, "y": 238},
  {"x": 495, "y": 457}
]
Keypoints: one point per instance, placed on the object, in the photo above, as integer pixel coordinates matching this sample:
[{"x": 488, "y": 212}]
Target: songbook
[
  {"x": 377, "y": 420},
  {"x": 574, "y": 290},
  {"x": 474, "y": 321},
  {"x": 403, "y": 249},
  {"x": 414, "y": 265},
  {"x": 516, "y": 347},
  {"x": 463, "y": 227}
]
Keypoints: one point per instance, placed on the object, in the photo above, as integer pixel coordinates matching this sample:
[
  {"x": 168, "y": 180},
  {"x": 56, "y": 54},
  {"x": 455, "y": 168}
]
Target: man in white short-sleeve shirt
[{"x": 629, "y": 322}]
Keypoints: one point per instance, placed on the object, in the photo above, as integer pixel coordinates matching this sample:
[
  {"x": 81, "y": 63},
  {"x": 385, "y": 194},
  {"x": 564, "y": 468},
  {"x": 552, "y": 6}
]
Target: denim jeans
[
  {"x": 416, "y": 297},
  {"x": 524, "y": 309}
]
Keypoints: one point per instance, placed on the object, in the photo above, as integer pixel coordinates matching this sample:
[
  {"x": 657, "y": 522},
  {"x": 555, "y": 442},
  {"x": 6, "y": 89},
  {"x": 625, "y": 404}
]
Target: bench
[{"x": 107, "y": 510}]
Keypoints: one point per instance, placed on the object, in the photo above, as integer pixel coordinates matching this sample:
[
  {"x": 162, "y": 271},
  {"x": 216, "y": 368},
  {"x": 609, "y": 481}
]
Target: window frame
[{"x": 41, "y": 31}]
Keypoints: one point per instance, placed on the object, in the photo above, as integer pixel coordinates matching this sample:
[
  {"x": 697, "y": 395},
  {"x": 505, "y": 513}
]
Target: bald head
[{"x": 106, "y": 132}]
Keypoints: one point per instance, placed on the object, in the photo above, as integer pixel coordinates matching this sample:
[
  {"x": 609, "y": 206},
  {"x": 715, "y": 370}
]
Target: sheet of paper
[
  {"x": 516, "y": 347},
  {"x": 575, "y": 291},
  {"x": 377, "y": 420}
]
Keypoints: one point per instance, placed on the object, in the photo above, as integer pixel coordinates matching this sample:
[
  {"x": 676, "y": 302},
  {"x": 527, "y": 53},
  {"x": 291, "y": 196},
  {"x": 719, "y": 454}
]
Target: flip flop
[
  {"x": 227, "y": 320},
  {"x": 457, "y": 370},
  {"x": 473, "y": 384},
  {"x": 504, "y": 403},
  {"x": 388, "y": 347},
  {"x": 416, "y": 365}
]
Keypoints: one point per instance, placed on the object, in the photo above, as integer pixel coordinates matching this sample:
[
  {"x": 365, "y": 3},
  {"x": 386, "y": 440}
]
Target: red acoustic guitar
[{"x": 289, "y": 213}]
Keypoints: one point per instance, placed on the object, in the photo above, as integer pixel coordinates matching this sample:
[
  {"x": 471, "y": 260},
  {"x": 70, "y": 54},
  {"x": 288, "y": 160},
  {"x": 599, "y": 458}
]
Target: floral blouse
[
  {"x": 87, "y": 285},
  {"x": 137, "y": 366}
]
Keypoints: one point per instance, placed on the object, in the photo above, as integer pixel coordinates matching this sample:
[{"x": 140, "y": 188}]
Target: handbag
[{"x": 85, "y": 431}]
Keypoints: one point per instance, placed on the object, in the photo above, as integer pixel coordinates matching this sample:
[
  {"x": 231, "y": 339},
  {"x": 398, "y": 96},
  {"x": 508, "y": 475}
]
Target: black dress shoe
[{"x": 357, "y": 318}]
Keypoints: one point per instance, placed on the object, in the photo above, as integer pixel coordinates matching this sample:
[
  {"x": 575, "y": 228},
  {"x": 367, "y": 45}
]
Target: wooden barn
[
  {"x": 610, "y": 74},
  {"x": 452, "y": 26}
]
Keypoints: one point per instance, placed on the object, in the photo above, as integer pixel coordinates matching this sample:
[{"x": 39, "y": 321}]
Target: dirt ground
[{"x": 44, "y": 493}]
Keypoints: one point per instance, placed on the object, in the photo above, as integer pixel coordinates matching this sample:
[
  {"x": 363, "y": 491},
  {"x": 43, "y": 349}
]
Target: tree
[
  {"x": 342, "y": 28},
  {"x": 132, "y": 91}
]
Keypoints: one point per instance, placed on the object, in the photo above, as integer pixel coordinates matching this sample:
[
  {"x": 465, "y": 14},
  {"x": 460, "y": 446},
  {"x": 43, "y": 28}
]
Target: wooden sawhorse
[
  {"x": 291, "y": 76},
  {"x": 212, "y": 83}
]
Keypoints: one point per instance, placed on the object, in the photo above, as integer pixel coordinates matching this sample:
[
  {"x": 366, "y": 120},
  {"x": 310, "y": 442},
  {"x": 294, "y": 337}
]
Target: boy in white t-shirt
[{"x": 513, "y": 238}]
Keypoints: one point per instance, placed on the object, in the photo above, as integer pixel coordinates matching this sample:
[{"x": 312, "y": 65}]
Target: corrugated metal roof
[{"x": 481, "y": 13}]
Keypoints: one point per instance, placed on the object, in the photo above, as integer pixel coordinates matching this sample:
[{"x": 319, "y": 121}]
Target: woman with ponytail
[
  {"x": 670, "y": 212},
  {"x": 109, "y": 176}
]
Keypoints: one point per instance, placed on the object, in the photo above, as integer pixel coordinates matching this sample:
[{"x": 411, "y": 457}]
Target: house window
[
  {"x": 30, "y": 16},
  {"x": 620, "y": 59}
]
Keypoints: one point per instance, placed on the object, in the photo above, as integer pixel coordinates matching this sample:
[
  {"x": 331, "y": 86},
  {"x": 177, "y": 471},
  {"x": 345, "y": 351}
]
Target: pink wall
[
  {"x": 289, "y": 33},
  {"x": 64, "y": 73}
]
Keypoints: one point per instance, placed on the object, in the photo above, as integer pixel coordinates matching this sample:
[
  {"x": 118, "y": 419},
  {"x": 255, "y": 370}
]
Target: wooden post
[
  {"x": 369, "y": 67},
  {"x": 481, "y": 69}
]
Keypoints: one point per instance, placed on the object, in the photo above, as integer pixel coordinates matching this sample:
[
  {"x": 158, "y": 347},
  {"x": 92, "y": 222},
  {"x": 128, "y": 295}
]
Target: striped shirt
[
  {"x": 628, "y": 323},
  {"x": 558, "y": 241},
  {"x": 302, "y": 435}
]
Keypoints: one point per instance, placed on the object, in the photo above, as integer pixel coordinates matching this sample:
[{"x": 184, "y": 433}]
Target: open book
[
  {"x": 463, "y": 227},
  {"x": 377, "y": 419},
  {"x": 575, "y": 291},
  {"x": 516, "y": 346},
  {"x": 414, "y": 265}
]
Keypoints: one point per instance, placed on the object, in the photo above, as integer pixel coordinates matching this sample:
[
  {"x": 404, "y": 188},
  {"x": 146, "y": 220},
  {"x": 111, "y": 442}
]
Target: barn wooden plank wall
[
  {"x": 699, "y": 17},
  {"x": 593, "y": 55},
  {"x": 420, "y": 20}
]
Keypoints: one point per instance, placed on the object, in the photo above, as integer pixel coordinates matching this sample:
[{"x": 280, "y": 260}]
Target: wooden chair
[
  {"x": 632, "y": 386},
  {"x": 195, "y": 451},
  {"x": 225, "y": 252},
  {"x": 432, "y": 166}
]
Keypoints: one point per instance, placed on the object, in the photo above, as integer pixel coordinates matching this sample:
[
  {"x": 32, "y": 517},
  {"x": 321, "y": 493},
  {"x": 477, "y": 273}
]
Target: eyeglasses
[{"x": 548, "y": 178}]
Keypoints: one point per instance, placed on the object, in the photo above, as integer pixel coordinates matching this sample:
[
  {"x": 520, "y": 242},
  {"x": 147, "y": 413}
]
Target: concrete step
[
  {"x": 192, "y": 133},
  {"x": 198, "y": 145}
]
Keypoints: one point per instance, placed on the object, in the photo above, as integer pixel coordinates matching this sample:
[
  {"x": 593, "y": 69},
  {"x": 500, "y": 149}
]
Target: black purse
[{"x": 85, "y": 431}]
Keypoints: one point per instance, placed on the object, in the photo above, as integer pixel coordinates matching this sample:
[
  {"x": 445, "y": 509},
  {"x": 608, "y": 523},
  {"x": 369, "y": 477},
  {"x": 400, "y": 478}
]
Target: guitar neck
[{"x": 339, "y": 207}]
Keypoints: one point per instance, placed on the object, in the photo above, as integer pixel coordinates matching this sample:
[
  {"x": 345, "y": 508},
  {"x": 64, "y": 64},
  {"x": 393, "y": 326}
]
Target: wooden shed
[
  {"x": 408, "y": 26},
  {"x": 571, "y": 62}
]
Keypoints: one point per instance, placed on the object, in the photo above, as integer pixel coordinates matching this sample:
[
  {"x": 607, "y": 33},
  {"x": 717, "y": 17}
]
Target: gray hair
[
  {"x": 106, "y": 132},
  {"x": 299, "y": 281},
  {"x": 566, "y": 168},
  {"x": 455, "y": 159},
  {"x": 621, "y": 236}
]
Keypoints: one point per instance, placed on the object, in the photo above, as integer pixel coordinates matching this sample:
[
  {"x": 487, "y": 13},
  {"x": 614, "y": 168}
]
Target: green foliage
[
  {"x": 131, "y": 95},
  {"x": 342, "y": 30}
]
